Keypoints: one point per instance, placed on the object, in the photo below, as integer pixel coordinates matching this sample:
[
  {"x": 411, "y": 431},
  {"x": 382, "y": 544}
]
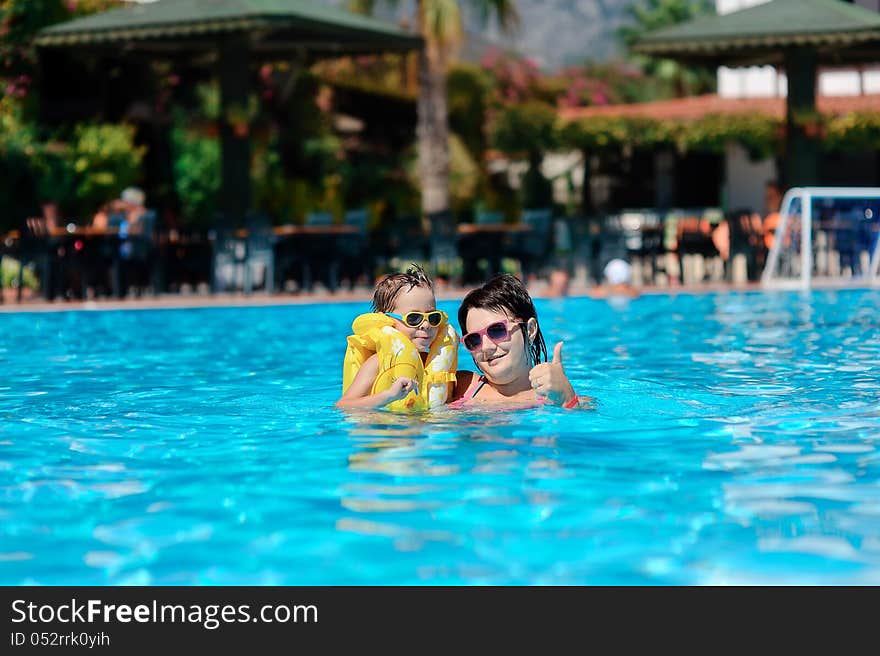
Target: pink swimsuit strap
[{"x": 476, "y": 383}]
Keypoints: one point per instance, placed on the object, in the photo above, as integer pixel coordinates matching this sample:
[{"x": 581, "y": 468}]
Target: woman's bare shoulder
[{"x": 463, "y": 380}]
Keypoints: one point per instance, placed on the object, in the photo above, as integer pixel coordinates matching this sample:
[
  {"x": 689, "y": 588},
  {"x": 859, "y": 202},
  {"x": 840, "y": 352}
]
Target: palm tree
[
  {"x": 649, "y": 15},
  {"x": 440, "y": 24}
]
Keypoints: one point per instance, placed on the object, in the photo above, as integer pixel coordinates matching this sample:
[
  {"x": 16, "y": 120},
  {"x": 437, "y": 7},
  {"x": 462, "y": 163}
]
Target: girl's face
[
  {"x": 418, "y": 299},
  {"x": 508, "y": 360}
]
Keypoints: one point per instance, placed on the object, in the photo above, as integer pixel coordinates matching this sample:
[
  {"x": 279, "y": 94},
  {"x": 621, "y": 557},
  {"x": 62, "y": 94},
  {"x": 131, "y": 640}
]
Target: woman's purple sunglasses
[{"x": 497, "y": 332}]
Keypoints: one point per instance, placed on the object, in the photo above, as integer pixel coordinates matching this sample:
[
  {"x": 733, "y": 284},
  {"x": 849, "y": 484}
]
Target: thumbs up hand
[{"x": 549, "y": 380}]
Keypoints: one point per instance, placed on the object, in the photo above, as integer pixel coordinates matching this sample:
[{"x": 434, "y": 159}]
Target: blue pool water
[{"x": 735, "y": 440}]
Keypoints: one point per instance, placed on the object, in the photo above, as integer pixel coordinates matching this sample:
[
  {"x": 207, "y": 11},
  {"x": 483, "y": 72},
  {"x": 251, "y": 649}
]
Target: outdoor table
[
  {"x": 71, "y": 251},
  {"x": 490, "y": 229},
  {"x": 650, "y": 247},
  {"x": 72, "y": 230},
  {"x": 311, "y": 246},
  {"x": 184, "y": 258},
  {"x": 95, "y": 248},
  {"x": 292, "y": 230}
]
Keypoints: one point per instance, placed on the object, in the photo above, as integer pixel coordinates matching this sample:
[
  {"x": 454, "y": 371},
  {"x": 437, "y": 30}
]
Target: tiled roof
[
  {"x": 168, "y": 19},
  {"x": 694, "y": 107},
  {"x": 771, "y": 25}
]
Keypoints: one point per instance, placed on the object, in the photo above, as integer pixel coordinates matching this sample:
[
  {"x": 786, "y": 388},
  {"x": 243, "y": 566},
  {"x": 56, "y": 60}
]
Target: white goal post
[{"x": 806, "y": 195}]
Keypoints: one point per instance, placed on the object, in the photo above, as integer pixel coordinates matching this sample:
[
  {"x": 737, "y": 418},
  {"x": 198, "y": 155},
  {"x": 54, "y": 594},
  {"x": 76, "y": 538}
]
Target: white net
[{"x": 825, "y": 236}]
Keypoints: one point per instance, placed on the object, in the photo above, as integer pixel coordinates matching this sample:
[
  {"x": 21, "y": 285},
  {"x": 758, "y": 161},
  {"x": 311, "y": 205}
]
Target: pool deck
[{"x": 358, "y": 295}]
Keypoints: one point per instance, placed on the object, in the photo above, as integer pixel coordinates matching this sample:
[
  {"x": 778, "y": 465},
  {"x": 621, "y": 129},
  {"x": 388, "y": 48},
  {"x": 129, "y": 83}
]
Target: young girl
[
  {"x": 501, "y": 332},
  {"x": 404, "y": 316}
]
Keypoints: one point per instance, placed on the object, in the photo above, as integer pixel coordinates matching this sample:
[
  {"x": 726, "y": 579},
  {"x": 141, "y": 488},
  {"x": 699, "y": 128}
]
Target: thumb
[{"x": 557, "y": 353}]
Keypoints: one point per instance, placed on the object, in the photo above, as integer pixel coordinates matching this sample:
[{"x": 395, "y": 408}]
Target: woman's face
[
  {"x": 419, "y": 299},
  {"x": 506, "y": 361}
]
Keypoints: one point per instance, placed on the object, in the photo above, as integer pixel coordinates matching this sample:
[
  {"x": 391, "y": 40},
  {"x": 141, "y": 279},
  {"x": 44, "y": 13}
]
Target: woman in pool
[{"x": 501, "y": 332}]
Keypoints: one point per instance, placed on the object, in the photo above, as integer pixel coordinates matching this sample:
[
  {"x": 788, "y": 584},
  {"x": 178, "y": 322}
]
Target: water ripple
[{"x": 734, "y": 440}]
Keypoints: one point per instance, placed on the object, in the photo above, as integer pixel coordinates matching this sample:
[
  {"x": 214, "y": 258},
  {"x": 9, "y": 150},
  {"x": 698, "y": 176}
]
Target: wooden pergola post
[
  {"x": 235, "y": 143},
  {"x": 240, "y": 34},
  {"x": 802, "y": 148}
]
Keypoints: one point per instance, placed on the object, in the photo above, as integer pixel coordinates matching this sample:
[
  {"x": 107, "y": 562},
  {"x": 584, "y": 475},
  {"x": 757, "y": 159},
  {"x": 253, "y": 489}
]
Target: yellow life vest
[{"x": 374, "y": 333}]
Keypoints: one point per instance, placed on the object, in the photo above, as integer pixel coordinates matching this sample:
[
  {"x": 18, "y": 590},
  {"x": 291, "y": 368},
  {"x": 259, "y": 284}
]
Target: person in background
[
  {"x": 131, "y": 204},
  {"x": 772, "y": 205},
  {"x": 617, "y": 281}
]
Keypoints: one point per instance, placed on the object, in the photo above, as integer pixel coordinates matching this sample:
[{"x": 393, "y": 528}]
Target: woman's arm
[{"x": 549, "y": 380}]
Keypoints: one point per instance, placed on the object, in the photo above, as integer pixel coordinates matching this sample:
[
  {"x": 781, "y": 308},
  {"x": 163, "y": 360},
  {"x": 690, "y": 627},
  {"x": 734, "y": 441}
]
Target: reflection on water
[
  {"x": 391, "y": 451},
  {"x": 734, "y": 440}
]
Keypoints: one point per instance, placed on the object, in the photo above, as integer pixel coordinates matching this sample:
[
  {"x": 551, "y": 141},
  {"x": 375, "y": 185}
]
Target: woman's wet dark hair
[{"x": 505, "y": 293}]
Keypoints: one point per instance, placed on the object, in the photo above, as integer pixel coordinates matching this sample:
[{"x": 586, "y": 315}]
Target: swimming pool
[{"x": 735, "y": 441}]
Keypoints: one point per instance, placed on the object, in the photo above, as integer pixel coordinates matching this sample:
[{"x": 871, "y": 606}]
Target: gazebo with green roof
[
  {"x": 236, "y": 33},
  {"x": 797, "y": 35}
]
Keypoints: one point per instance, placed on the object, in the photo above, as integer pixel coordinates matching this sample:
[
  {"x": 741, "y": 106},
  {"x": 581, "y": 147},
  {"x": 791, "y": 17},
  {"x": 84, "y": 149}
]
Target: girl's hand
[
  {"x": 400, "y": 388},
  {"x": 549, "y": 380}
]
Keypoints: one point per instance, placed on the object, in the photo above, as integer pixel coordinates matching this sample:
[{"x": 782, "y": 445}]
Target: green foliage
[
  {"x": 309, "y": 151},
  {"x": 650, "y": 15},
  {"x": 267, "y": 180},
  {"x": 464, "y": 174},
  {"x": 79, "y": 174},
  {"x": 20, "y": 21},
  {"x": 56, "y": 175},
  {"x": 758, "y": 133},
  {"x": 468, "y": 90},
  {"x": 380, "y": 182},
  {"x": 603, "y": 132},
  {"x": 105, "y": 161},
  {"x": 853, "y": 131},
  {"x": 290, "y": 199},
  {"x": 9, "y": 275},
  {"x": 196, "y": 174},
  {"x": 208, "y": 97},
  {"x": 18, "y": 148},
  {"x": 14, "y": 131},
  {"x": 528, "y": 128}
]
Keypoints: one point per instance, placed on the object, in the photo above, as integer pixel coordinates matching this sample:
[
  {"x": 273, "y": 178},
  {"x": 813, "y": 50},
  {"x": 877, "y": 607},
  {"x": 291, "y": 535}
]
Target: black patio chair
[
  {"x": 644, "y": 239},
  {"x": 846, "y": 242},
  {"x": 133, "y": 255},
  {"x": 140, "y": 258},
  {"x": 481, "y": 253},
  {"x": 746, "y": 240},
  {"x": 259, "y": 253},
  {"x": 488, "y": 217},
  {"x": 694, "y": 238},
  {"x": 186, "y": 260},
  {"x": 319, "y": 219},
  {"x": 37, "y": 248},
  {"x": 229, "y": 258},
  {"x": 316, "y": 253}
]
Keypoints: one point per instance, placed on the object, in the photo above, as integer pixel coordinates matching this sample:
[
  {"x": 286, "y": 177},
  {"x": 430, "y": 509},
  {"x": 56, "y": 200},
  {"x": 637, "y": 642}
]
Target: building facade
[{"x": 743, "y": 176}]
